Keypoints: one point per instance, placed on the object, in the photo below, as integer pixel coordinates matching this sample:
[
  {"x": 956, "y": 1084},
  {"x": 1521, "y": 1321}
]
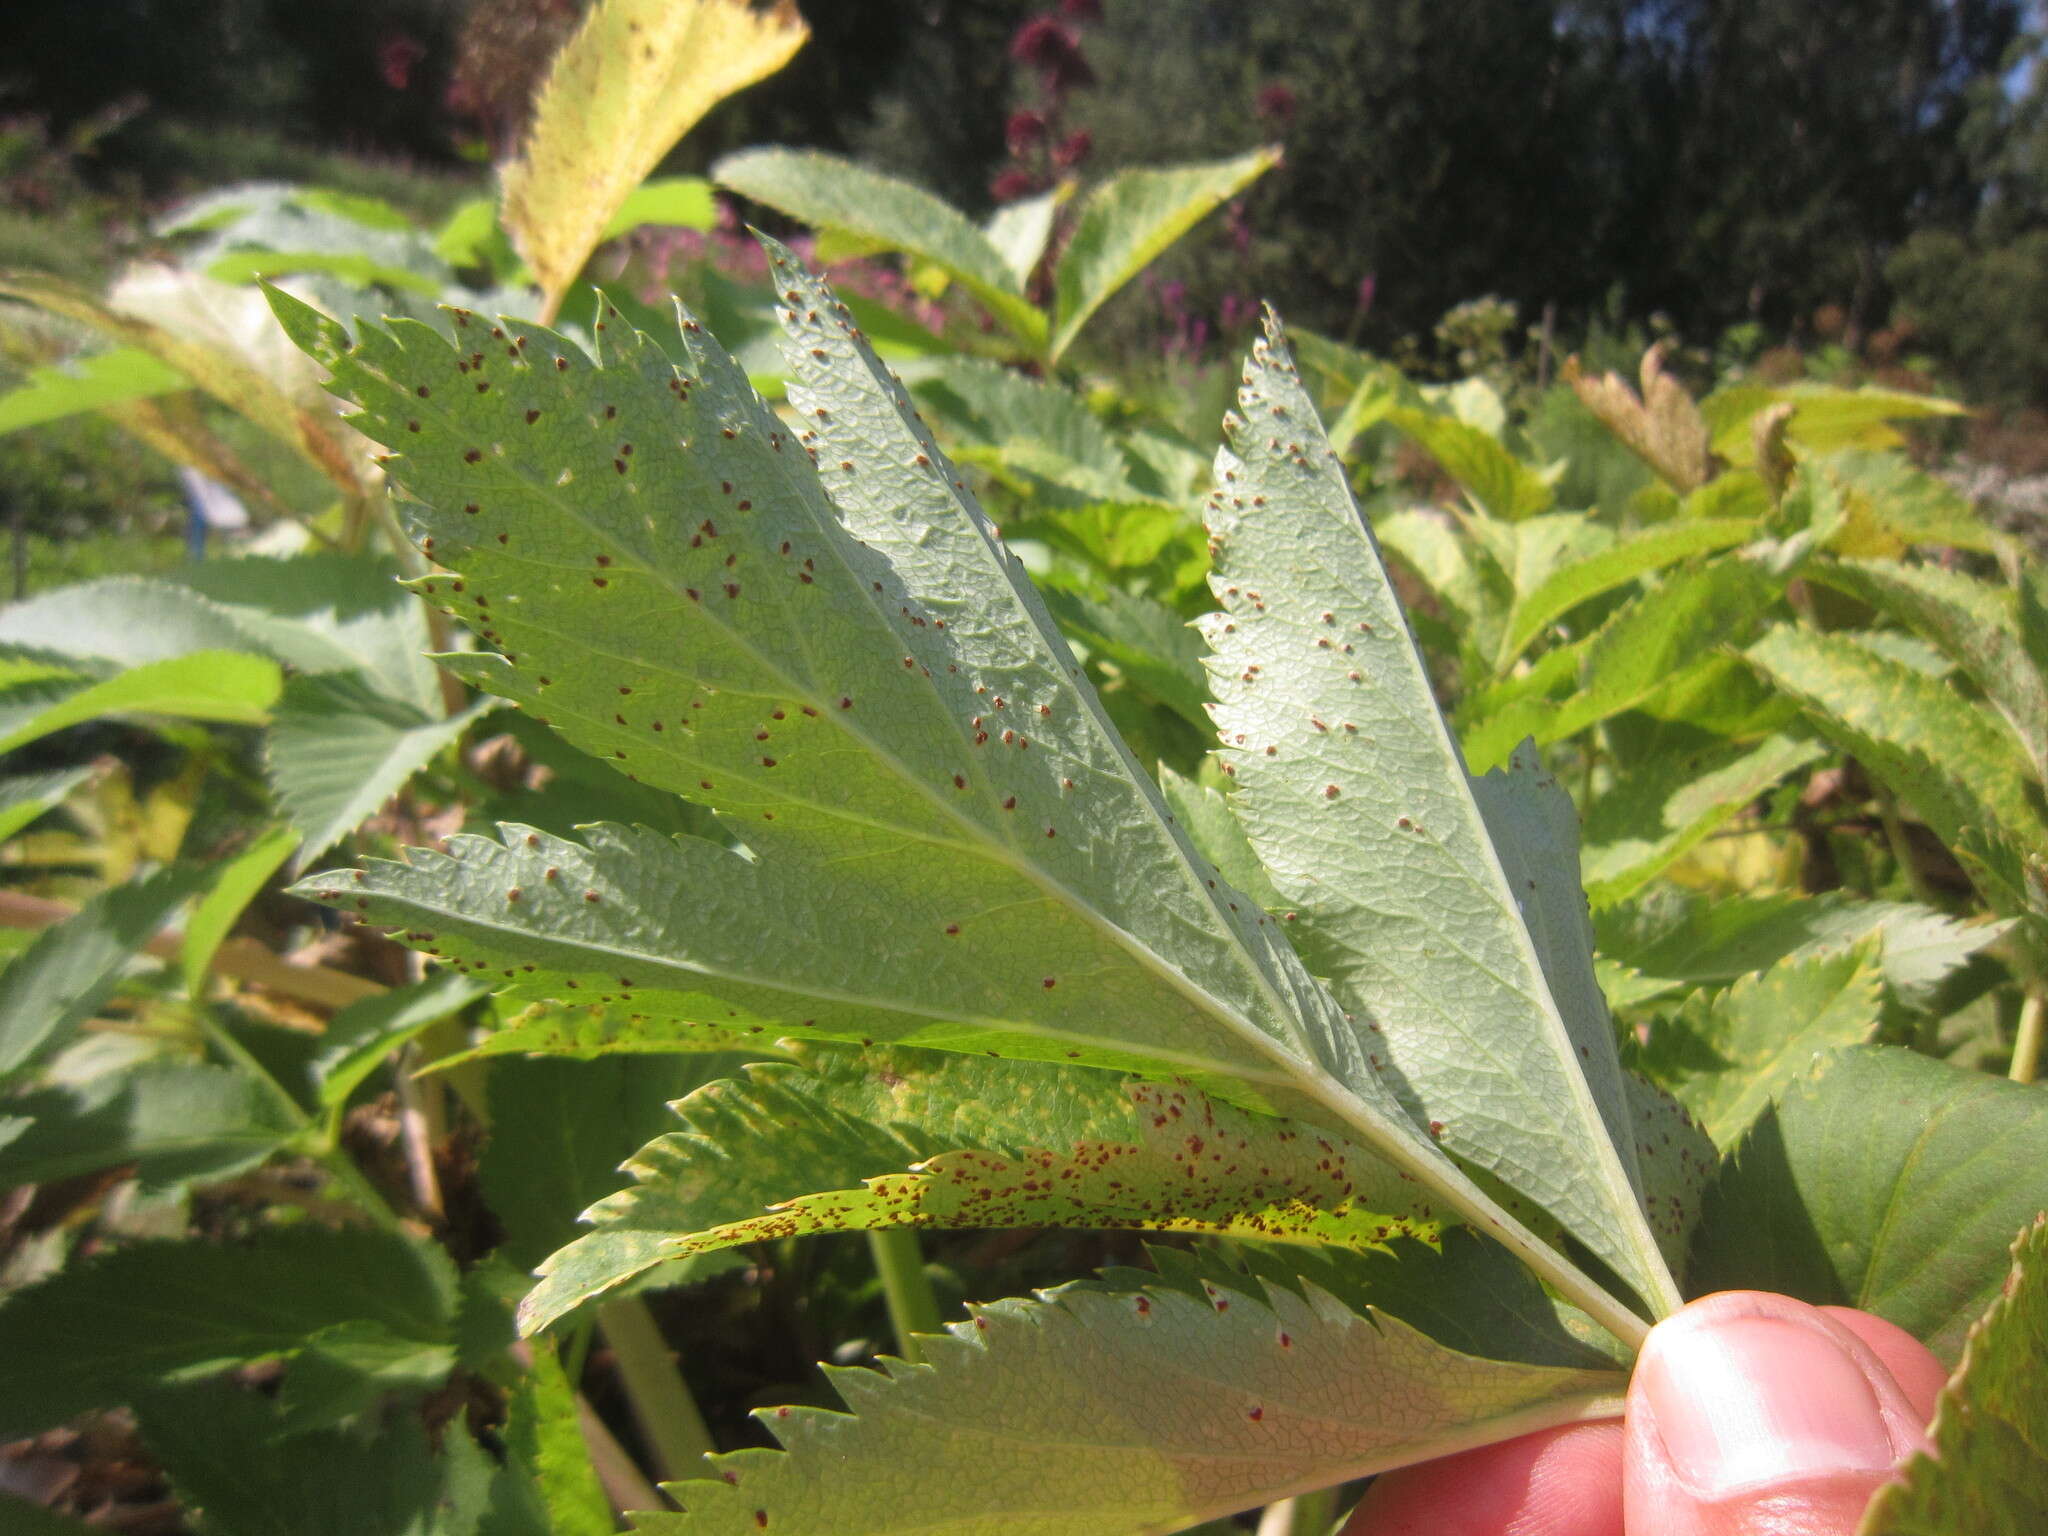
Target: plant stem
[
  {"x": 2026, "y": 1045},
  {"x": 1902, "y": 848},
  {"x": 677, "y": 1440},
  {"x": 623, "y": 1483},
  {"x": 913, "y": 1309}
]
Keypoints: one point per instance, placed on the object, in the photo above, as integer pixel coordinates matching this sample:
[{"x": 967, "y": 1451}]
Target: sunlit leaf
[
  {"x": 1040, "y": 1418},
  {"x": 838, "y": 195},
  {"x": 1127, "y": 221},
  {"x": 636, "y": 77}
]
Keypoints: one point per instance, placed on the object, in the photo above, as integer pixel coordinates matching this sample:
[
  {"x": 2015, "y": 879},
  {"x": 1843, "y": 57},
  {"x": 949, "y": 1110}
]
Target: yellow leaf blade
[{"x": 635, "y": 78}]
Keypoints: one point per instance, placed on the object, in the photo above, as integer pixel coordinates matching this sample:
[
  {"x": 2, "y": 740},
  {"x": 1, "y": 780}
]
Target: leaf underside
[
  {"x": 1041, "y": 1418},
  {"x": 813, "y": 630}
]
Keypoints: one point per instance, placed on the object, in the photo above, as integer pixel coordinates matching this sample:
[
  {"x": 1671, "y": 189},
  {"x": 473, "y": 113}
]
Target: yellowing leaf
[
  {"x": 1662, "y": 425},
  {"x": 634, "y": 79}
]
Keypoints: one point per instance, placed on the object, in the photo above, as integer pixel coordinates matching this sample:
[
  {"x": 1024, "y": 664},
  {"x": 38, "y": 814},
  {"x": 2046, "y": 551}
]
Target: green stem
[
  {"x": 2026, "y": 1045},
  {"x": 670, "y": 1424},
  {"x": 322, "y": 1145},
  {"x": 1902, "y": 849},
  {"x": 907, "y": 1289}
]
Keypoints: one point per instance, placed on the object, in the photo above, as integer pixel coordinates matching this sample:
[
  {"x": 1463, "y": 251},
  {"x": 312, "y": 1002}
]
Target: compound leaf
[
  {"x": 62, "y": 978},
  {"x": 816, "y": 632},
  {"x": 113, "y": 377}
]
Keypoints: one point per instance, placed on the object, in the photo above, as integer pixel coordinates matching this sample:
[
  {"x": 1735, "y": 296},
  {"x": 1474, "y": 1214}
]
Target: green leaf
[
  {"x": 350, "y": 1369},
  {"x": 1646, "y": 647},
  {"x": 1127, "y": 221},
  {"x": 1021, "y": 230},
  {"x": 61, "y": 979},
  {"x": 25, "y": 1519},
  {"x": 1040, "y": 1418},
  {"x": 124, "y": 620},
  {"x": 1597, "y": 574},
  {"x": 89, "y": 383},
  {"x": 24, "y": 798},
  {"x": 327, "y": 1483},
  {"x": 988, "y": 1144},
  {"x": 1146, "y": 643},
  {"x": 1825, "y": 418},
  {"x": 104, "y": 1329},
  {"x": 234, "y": 885},
  {"x": 1951, "y": 761},
  {"x": 232, "y": 377},
  {"x": 928, "y": 865},
  {"x": 339, "y": 749},
  {"x": 636, "y": 76},
  {"x": 1887, "y": 1182},
  {"x": 561, "y": 1131},
  {"x": 1469, "y": 1295},
  {"x": 837, "y": 195},
  {"x": 327, "y": 612},
  {"x": 177, "y": 1123},
  {"x": 363, "y": 1034},
  {"x": 221, "y": 686},
  {"x": 1444, "y": 910},
  {"x": 1218, "y": 836},
  {"x": 1728, "y": 1055},
  {"x": 1690, "y": 941},
  {"x": 544, "y": 1433},
  {"x": 1502, "y": 485},
  {"x": 1972, "y": 621},
  {"x": 1988, "y": 1471},
  {"x": 674, "y": 201},
  {"x": 1656, "y": 812}
]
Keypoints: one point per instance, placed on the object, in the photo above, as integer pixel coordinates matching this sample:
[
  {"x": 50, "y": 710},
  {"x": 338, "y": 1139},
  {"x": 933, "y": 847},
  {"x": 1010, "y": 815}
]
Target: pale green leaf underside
[
  {"x": 1989, "y": 1471},
  {"x": 835, "y": 194},
  {"x": 1124, "y": 1415},
  {"x": 1443, "y": 909},
  {"x": 1129, "y": 220},
  {"x": 988, "y": 1144},
  {"x": 816, "y": 632},
  {"x": 1728, "y": 1056},
  {"x": 25, "y": 797}
]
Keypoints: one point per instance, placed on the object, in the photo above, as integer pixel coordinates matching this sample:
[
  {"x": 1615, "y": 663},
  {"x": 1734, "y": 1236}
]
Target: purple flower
[
  {"x": 1073, "y": 149},
  {"x": 1052, "y": 49},
  {"x": 1014, "y": 184},
  {"x": 1276, "y": 104},
  {"x": 1023, "y": 130}
]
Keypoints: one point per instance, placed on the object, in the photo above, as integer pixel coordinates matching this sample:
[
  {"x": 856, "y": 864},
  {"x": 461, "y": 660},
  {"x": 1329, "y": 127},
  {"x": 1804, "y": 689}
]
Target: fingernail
[{"x": 1759, "y": 1400}]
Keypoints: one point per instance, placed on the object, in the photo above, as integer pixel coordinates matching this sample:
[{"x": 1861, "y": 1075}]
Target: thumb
[{"x": 1756, "y": 1415}]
